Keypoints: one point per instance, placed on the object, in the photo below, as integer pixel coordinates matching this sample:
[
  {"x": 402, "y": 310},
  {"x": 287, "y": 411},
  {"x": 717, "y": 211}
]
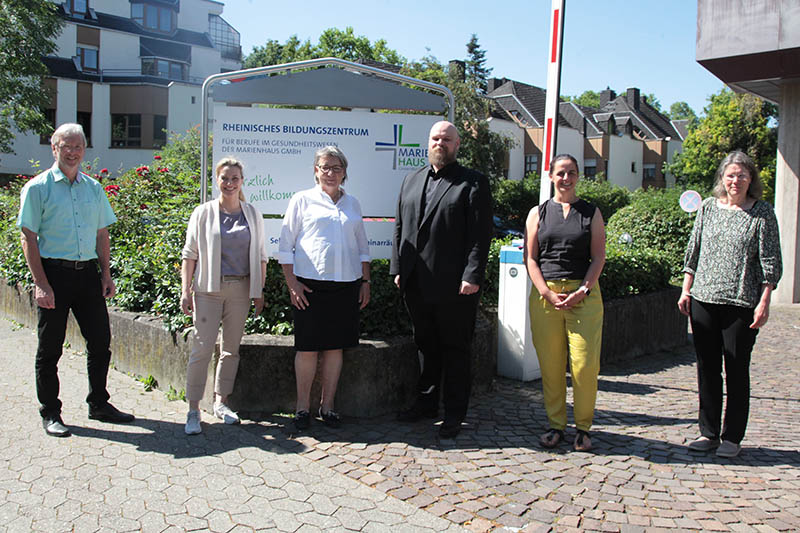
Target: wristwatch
[{"x": 585, "y": 290}]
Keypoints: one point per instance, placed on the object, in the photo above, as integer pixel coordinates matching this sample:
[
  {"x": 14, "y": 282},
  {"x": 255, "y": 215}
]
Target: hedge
[{"x": 153, "y": 203}]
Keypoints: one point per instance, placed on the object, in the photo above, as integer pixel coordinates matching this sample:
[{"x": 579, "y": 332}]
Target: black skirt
[{"x": 330, "y": 321}]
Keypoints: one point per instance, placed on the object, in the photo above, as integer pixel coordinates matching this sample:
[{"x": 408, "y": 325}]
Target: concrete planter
[{"x": 378, "y": 377}]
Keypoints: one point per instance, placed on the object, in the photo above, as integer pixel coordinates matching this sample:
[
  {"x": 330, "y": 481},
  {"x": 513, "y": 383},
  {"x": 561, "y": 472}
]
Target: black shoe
[
  {"x": 302, "y": 420},
  {"x": 331, "y": 418},
  {"x": 417, "y": 412},
  {"x": 449, "y": 429},
  {"x": 54, "y": 427},
  {"x": 109, "y": 413}
]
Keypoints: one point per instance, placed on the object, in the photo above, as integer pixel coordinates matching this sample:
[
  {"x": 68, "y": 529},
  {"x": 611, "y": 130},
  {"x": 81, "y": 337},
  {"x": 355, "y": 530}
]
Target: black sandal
[
  {"x": 582, "y": 441},
  {"x": 552, "y": 438}
]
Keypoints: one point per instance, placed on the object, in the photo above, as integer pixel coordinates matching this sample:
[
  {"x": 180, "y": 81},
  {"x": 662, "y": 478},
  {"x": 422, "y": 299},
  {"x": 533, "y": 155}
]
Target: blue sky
[{"x": 649, "y": 44}]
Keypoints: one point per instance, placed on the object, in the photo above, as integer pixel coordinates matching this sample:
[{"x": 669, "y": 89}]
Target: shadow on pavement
[{"x": 168, "y": 438}]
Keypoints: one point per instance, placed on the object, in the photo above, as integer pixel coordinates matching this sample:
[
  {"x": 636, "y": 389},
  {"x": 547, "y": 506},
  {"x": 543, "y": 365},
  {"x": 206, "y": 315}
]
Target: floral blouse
[{"x": 732, "y": 253}]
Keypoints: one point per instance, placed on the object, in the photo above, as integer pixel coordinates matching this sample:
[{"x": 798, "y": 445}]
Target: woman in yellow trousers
[{"x": 564, "y": 254}]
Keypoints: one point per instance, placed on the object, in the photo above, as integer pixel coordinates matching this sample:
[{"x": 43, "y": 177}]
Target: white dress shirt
[{"x": 323, "y": 240}]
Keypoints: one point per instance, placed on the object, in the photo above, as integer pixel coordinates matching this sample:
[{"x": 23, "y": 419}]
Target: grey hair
[
  {"x": 64, "y": 130},
  {"x": 332, "y": 151},
  {"x": 755, "y": 190}
]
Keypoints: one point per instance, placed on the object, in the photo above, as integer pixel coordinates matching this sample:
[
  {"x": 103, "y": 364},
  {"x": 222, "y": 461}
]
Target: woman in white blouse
[
  {"x": 225, "y": 256},
  {"x": 325, "y": 259}
]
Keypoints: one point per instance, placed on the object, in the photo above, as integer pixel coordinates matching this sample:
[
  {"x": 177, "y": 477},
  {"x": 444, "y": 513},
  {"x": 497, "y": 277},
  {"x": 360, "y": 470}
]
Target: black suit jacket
[{"x": 451, "y": 242}]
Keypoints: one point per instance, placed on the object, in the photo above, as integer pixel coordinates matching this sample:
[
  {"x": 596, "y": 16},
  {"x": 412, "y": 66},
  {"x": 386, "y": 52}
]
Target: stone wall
[
  {"x": 378, "y": 376},
  {"x": 642, "y": 324}
]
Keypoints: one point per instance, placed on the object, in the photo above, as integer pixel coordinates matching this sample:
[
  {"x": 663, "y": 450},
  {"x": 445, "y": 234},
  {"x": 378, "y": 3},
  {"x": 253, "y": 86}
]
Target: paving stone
[{"x": 376, "y": 476}]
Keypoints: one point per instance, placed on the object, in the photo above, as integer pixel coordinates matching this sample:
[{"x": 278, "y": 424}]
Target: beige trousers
[{"x": 228, "y": 307}]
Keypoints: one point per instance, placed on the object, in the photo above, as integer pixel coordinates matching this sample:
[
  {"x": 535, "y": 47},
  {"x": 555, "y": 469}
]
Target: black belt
[{"x": 73, "y": 265}]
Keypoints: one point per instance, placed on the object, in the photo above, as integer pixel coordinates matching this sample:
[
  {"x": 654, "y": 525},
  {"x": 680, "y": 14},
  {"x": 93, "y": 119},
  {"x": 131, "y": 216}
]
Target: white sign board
[{"x": 277, "y": 149}]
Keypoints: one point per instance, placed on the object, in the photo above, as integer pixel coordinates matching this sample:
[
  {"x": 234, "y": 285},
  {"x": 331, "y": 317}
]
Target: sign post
[{"x": 553, "y": 93}]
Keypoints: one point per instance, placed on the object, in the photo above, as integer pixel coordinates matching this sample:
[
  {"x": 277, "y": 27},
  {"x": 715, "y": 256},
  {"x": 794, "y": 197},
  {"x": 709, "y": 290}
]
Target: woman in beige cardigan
[{"x": 225, "y": 256}]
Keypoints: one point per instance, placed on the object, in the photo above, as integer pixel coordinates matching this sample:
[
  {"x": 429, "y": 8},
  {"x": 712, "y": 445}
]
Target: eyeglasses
[
  {"x": 336, "y": 169},
  {"x": 70, "y": 147},
  {"x": 740, "y": 177}
]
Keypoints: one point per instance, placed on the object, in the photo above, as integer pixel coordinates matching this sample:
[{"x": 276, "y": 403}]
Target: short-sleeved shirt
[{"x": 65, "y": 216}]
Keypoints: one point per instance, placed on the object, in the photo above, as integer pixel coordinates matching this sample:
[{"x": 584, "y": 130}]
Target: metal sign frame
[{"x": 287, "y": 68}]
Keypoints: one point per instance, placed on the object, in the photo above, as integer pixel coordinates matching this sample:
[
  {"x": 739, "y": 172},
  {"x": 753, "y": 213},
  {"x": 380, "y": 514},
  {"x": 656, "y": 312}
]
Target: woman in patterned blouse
[{"x": 732, "y": 265}]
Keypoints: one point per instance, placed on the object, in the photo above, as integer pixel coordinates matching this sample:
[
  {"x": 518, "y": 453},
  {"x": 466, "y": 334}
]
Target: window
[
  {"x": 80, "y": 7},
  {"x": 50, "y": 117},
  {"x": 159, "y": 131},
  {"x": 126, "y": 131},
  {"x": 85, "y": 120},
  {"x": 225, "y": 37},
  {"x": 590, "y": 168},
  {"x": 153, "y": 17},
  {"x": 649, "y": 170},
  {"x": 531, "y": 163},
  {"x": 163, "y": 68},
  {"x": 87, "y": 58}
]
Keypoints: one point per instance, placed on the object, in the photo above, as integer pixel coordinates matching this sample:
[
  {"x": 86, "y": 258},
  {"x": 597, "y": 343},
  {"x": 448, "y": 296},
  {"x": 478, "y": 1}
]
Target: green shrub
[
  {"x": 153, "y": 203},
  {"x": 629, "y": 270},
  {"x": 491, "y": 288},
  {"x": 607, "y": 197},
  {"x": 12, "y": 262},
  {"x": 513, "y": 199},
  {"x": 655, "y": 221}
]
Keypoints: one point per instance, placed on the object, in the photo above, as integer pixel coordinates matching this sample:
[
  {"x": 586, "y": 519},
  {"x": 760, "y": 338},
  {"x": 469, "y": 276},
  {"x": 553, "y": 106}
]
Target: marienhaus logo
[{"x": 405, "y": 155}]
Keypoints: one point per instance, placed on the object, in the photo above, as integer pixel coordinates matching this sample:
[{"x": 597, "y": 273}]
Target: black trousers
[
  {"x": 443, "y": 332},
  {"x": 80, "y": 291},
  {"x": 721, "y": 333}
]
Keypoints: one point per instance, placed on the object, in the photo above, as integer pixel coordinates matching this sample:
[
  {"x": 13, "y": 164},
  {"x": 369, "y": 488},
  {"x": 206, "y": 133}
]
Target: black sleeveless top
[{"x": 565, "y": 243}]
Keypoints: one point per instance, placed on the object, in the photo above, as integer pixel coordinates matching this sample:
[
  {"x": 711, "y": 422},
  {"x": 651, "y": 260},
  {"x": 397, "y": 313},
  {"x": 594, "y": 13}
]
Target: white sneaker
[
  {"x": 224, "y": 413},
  {"x": 193, "y": 423}
]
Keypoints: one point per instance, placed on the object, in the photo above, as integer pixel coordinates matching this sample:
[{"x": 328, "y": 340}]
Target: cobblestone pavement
[{"x": 379, "y": 475}]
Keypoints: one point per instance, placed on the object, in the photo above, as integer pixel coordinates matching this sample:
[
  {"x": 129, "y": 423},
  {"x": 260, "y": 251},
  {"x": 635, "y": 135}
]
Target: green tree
[
  {"x": 586, "y": 98},
  {"x": 682, "y": 111},
  {"x": 654, "y": 102},
  {"x": 27, "y": 32},
  {"x": 274, "y": 53},
  {"x": 476, "y": 69},
  {"x": 732, "y": 122},
  {"x": 333, "y": 42},
  {"x": 481, "y": 148}
]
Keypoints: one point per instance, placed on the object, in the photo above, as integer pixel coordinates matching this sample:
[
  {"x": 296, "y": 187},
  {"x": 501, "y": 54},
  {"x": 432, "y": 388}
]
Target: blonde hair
[{"x": 231, "y": 162}]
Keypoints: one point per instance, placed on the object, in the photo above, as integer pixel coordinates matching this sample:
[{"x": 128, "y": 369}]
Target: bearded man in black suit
[{"x": 442, "y": 233}]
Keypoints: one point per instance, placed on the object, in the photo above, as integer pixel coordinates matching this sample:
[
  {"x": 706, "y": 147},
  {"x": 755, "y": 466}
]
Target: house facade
[
  {"x": 625, "y": 139},
  {"x": 128, "y": 70}
]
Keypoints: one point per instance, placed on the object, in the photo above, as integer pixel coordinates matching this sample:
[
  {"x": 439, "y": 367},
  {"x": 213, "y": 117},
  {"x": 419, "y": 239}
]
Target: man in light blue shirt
[{"x": 64, "y": 217}]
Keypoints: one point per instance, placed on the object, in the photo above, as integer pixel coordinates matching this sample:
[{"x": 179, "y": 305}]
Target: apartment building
[
  {"x": 626, "y": 139},
  {"x": 128, "y": 70}
]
